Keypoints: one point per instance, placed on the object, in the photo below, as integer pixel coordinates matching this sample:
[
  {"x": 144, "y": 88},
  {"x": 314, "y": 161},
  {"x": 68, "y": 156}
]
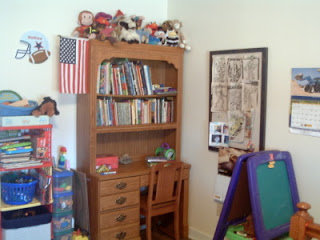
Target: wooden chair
[{"x": 163, "y": 194}]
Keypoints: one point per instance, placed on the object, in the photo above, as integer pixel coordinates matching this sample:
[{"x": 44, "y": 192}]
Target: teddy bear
[
  {"x": 167, "y": 25},
  {"x": 85, "y": 20},
  {"x": 47, "y": 107},
  {"x": 177, "y": 25}
]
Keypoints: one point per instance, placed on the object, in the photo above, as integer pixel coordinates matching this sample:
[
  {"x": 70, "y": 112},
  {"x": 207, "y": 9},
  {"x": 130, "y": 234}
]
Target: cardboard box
[
  {"x": 111, "y": 161},
  {"x": 14, "y": 121}
]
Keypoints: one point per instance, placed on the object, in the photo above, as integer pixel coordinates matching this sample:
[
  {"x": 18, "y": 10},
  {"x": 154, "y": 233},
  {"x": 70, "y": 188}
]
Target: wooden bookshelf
[{"x": 139, "y": 140}]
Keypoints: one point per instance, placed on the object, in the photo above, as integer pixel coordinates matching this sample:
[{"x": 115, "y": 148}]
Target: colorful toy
[
  {"x": 143, "y": 33},
  {"x": 172, "y": 38},
  {"x": 177, "y": 25},
  {"x": 85, "y": 20},
  {"x": 47, "y": 107},
  {"x": 106, "y": 32},
  {"x": 166, "y": 151},
  {"x": 128, "y": 30},
  {"x": 62, "y": 157},
  {"x": 160, "y": 35}
]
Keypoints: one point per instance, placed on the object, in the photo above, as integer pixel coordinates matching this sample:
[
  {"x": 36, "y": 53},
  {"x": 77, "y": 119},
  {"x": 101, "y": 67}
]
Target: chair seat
[{"x": 163, "y": 208}]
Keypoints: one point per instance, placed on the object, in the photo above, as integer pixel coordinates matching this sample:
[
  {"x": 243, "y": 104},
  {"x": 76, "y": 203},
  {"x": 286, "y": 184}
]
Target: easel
[{"x": 252, "y": 190}]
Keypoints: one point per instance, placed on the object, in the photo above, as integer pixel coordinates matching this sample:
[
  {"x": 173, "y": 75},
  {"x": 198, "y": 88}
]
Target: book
[
  {"x": 14, "y": 121},
  {"x": 11, "y": 139},
  {"x": 21, "y": 164},
  {"x": 18, "y": 150},
  {"x": 4, "y": 155},
  {"x": 15, "y": 159},
  {"x": 15, "y": 145}
]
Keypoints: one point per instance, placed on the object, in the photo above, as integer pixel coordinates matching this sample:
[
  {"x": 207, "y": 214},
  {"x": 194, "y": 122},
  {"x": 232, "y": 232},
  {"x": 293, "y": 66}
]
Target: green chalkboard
[{"x": 275, "y": 194}]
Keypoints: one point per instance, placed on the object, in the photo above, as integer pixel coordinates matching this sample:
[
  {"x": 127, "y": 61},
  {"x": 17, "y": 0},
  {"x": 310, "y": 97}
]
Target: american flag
[{"x": 73, "y": 65}]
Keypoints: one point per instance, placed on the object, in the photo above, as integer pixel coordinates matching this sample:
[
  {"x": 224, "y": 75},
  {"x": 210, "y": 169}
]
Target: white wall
[
  {"x": 53, "y": 18},
  {"x": 290, "y": 30}
]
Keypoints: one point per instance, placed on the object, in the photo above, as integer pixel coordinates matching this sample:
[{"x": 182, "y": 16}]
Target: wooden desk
[{"x": 116, "y": 212}]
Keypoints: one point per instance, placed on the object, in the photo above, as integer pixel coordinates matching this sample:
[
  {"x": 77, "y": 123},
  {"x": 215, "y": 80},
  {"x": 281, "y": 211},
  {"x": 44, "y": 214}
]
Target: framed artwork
[{"x": 237, "y": 99}]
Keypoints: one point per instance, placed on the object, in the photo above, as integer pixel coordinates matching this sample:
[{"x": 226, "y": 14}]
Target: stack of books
[{"x": 16, "y": 152}]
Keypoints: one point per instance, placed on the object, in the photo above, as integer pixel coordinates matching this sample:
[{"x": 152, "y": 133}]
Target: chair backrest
[{"x": 165, "y": 183}]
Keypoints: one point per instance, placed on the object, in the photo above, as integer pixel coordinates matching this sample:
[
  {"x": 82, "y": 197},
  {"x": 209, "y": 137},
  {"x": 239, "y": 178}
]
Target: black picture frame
[{"x": 237, "y": 97}]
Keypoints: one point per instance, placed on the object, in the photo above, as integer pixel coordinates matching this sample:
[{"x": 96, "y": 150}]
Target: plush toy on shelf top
[
  {"x": 85, "y": 20},
  {"x": 104, "y": 29},
  {"x": 177, "y": 25}
]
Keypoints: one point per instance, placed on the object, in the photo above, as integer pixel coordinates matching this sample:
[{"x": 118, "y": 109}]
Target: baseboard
[{"x": 195, "y": 234}]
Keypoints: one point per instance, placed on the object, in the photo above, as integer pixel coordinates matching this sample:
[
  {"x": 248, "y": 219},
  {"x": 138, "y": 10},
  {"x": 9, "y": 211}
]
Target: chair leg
[
  {"x": 149, "y": 231},
  {"x": 176, "y": 225}
]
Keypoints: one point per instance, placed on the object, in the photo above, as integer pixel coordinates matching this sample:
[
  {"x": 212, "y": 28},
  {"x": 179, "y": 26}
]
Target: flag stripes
[{"x": 73, "y": 65}]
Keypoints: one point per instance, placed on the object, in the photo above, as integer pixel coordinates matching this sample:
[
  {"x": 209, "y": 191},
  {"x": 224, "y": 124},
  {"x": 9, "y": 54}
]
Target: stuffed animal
[
  {"x": 167, "y": 26},
  {"x": 152, "y": 28},
  {"x": 161, "y": 35},
  {"x": 47, "y": 107},
  {"x": 128, "y": 30},
  {"x": 85, "y": 20},
  {"x": 172, "y": 39},
  {"x": 143, "y": 33},
  {"x": 177, "y": 25},
  {"x": 104, "y": 29}
]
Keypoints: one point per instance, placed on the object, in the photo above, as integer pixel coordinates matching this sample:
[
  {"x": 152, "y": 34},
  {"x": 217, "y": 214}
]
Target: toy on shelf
[
  {"x": 85, "y": 20},
  {"x": 62, "y": 180},
  {"x": 128, "y": 30},
  {"x": 177, "y": 25},
  {"x": 62, "y": 158},
  {"x": 166, "y": 151},
  {"x": 152, "y": 29},
  {"x": 105, "y": 31},
  {"x": 47, "y": 107},
  {"x": 143, "y": 33}
]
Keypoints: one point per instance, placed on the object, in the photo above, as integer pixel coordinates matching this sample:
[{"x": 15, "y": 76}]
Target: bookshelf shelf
[
  {"x": 136, "y": 128},
  {"x": 152, "y": 128},
  {"x": 138, "y": 96},
  {"x": 7, "y": 207}
]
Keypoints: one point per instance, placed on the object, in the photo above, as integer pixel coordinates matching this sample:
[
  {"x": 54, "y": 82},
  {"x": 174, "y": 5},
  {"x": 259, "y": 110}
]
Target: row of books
[
  {"x": 15, "y": 152},
  {"x": 134, "y": 111},
  {"x": 124, "y": 78}
]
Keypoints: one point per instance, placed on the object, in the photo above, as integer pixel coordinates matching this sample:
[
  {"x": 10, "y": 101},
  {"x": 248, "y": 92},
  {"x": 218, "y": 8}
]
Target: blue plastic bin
[
  {"x": 18, "y": 193},
  {"x": 6, "y": 110}
]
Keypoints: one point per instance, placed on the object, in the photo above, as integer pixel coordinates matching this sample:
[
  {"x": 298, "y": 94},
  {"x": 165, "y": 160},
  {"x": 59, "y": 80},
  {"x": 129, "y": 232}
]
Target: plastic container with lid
[
  {"x": 61, "y": 221},
  {"x": 62, "y": 202},
  {"x": 62, "y": 180}
]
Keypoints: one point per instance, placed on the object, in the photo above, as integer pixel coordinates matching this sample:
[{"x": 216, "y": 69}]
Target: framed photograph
[{"x": 237, "y": 99}]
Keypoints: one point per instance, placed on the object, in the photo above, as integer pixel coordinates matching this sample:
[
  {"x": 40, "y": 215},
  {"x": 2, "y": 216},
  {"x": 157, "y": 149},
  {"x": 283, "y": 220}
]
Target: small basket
[
  {"x": 18, "y": 193},
  {"x": 6, "y": 110}
]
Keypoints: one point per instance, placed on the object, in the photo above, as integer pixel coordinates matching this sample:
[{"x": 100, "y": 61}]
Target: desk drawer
[
  {"x": 119, "y": 200},
  {"x": 118, "y": 218},
  {"x": 119, "y": 185},
  {"x": 124, "y": 232}
]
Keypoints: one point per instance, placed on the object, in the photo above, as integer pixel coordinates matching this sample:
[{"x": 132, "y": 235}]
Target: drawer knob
[
  {"x": 121, "y": 235},
  {"x": 121, "y": 200},
  {"x": 121, "y": 218},
  {"x": 121, "y": 185}
]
